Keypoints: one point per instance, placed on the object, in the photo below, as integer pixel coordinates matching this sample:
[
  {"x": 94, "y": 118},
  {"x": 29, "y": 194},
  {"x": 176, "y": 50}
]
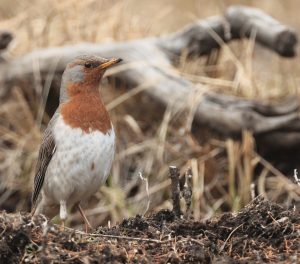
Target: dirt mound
[{"x": 261, "y": 232}]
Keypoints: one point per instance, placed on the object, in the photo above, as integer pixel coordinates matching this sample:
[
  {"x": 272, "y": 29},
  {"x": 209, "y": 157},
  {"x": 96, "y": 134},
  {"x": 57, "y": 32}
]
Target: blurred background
[{"x": 149, "y": 141}]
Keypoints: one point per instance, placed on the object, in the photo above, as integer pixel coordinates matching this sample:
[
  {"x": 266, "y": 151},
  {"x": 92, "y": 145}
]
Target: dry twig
[{"x": 175, "y": 188}]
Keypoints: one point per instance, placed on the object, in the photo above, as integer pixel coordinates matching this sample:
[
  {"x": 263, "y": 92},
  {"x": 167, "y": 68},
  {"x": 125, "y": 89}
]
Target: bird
[{"x": 78, "y": 145}]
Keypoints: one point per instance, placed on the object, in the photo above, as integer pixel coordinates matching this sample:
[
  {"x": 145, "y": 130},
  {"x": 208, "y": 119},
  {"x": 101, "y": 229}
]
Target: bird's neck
[{"x": 86, "y": 111}]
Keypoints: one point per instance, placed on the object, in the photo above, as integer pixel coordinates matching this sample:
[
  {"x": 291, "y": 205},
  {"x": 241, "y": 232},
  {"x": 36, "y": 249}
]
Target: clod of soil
[{"x": 261, "y": 232}]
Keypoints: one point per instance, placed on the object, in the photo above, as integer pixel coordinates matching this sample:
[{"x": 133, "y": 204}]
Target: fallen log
[
  {"x": 148, "y": 62},
  {"x": 252, "y": 22},
  {"x": 201, "y": 37}
]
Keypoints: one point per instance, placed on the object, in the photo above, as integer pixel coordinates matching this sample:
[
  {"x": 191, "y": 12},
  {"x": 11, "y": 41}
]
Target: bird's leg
[
  {"x": 86, "y": 221},
  {"x": 63, "y": 213}
]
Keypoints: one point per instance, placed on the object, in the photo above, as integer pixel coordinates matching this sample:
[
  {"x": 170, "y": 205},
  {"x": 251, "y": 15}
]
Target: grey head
[{"x": 84, "y": 73}]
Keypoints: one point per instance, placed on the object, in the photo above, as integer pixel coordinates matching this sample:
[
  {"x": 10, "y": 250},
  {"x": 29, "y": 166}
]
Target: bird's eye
[{"x": 88, "y": 65}]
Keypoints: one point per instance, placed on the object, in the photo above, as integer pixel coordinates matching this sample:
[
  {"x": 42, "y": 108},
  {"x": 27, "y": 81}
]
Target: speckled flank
[{"x": 81, "y": 163}]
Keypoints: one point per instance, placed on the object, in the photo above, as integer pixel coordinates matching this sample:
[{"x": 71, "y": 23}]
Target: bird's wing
[{"x": 46, "y": 152}]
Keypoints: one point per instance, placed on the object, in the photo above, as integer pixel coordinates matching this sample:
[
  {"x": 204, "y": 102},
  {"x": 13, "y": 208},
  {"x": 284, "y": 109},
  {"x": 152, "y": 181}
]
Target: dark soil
[{"x": 261, "y": 232}]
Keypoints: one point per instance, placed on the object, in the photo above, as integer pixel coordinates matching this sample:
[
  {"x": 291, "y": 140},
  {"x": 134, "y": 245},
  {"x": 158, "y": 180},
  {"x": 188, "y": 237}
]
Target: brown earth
[{"x": 261, "y": 232}]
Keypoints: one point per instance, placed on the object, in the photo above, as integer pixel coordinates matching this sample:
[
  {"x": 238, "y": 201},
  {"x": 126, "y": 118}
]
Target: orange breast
[{"x": 86, "y": 111}]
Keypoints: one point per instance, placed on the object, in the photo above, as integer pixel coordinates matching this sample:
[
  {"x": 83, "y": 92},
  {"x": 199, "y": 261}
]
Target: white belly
[{"x": 80, "y": 164}]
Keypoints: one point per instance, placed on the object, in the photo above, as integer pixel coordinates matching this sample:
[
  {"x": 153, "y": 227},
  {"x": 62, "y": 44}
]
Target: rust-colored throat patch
[{"x": 86, "y": 111}]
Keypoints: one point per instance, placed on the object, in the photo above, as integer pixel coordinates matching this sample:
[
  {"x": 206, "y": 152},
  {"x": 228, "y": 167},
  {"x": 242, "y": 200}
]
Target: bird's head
[{"x": 83, "y": 74}]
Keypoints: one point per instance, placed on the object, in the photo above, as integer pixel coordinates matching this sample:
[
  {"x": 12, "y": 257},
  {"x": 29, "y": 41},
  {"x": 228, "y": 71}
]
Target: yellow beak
[{"x": 109, "y": 63}]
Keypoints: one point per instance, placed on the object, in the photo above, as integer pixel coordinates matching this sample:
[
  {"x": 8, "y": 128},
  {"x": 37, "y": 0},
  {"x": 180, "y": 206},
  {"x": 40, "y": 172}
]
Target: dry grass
[{"x": 148, "y": 141}]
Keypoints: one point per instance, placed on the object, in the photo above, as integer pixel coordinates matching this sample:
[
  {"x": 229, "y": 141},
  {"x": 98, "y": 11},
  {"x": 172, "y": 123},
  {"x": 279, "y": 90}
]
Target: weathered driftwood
[
  {"x": 201, "y": 37},
  {"x": 269, "y": 32},
  {"x": 149, "y": 61}
]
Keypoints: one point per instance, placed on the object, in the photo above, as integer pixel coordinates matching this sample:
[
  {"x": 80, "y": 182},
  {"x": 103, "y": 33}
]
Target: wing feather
[{"x": 46, "y": 152}]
